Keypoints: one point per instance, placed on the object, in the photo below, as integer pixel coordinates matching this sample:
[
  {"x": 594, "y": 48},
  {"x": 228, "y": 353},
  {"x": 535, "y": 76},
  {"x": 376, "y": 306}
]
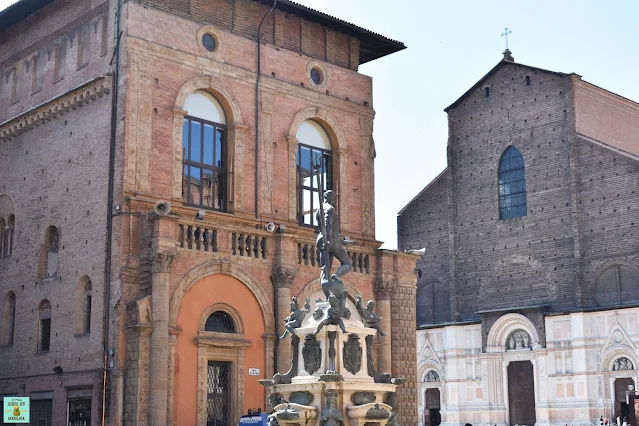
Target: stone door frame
[{"x": 220, "y": 347}]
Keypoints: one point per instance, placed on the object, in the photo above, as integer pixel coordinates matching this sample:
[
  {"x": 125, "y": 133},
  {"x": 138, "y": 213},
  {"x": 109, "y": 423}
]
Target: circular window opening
[
  {"x": 208, "y": 41},
  {"x": 316, "y": 76}
]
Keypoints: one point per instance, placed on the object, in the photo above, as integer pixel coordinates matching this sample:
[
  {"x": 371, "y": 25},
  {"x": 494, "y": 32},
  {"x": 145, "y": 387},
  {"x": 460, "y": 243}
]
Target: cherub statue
[
  {"x": 335, "y": 313},
  {"x": 294, "y": 320},
  {"x": 370, "y": 318}
]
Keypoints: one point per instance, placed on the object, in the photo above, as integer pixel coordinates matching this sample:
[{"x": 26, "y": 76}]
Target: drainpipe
[
  {"x": 257, "y": 105},
  {"x": 109, "y": 245}
]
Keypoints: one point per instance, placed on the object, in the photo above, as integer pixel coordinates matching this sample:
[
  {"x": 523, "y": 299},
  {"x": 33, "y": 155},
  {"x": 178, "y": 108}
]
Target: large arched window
[
  {"x": 204, "y": 151},
  {"x": 314, "y": 143},
  {"x": 8, "y": 319},
  {"x": 617, "y": 285},
  {"x": 512, "y": 184}
]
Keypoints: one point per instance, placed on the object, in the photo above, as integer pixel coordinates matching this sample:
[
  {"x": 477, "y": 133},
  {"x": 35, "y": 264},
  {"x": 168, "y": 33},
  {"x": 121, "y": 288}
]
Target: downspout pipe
[
  {"x": 111, "y": 191},
  {"x": 257, "y": 106}
]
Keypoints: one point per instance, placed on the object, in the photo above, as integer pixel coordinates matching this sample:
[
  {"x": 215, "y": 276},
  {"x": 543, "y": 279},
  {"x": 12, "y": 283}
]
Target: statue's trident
[{"x": 317, "y": 167}]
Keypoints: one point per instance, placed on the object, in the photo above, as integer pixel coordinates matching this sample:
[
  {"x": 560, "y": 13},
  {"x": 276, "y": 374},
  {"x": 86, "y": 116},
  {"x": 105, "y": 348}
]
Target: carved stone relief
[
  {"x": 622, "y": 364},
  {"x": 432, "y": 376},
  {"x": 518, "y": 340}
]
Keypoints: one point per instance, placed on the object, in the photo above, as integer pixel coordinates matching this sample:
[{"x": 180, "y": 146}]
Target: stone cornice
[{"x": 50, "y": 110}]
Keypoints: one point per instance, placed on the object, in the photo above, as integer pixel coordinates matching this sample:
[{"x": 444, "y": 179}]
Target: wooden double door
[{"x": 521, "y": 393}]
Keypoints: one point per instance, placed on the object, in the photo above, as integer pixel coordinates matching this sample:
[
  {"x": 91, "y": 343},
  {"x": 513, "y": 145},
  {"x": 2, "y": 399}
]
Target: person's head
[
  {"x": 329, "y": 197},
  {"x": 370, "y": 305}
]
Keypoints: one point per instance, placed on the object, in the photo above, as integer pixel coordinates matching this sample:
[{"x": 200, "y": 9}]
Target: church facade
[
  {"x": 528, "y": 291},
  {"x": 157, "y": 203}
]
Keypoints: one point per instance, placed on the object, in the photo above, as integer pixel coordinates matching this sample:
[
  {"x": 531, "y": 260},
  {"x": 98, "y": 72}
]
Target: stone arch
[
  {"x": 515, "y": 265},
  {"x": 225, "y": 307},
  {"x": 609, "y": 356},
  {"x": 215, "y": 87},
  {"x": 596, "y": 274},
  {"x": 505, "y": 325},
  {"x": 224, "y": 268},
  {"x": 322, "y": 116},
  {"x": 429, "y": 365}
]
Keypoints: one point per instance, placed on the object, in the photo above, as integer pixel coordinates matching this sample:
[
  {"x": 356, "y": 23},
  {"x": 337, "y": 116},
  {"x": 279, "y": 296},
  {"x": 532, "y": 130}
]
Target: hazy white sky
[{"x": 451, "y": 45}]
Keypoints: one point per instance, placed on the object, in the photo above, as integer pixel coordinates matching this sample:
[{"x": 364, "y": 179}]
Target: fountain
[{"x": 336, "y": 382}]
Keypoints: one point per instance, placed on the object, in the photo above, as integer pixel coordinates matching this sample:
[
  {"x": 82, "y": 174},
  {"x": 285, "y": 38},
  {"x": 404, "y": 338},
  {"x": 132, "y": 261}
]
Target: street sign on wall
[{"x": 16, "y": 409}]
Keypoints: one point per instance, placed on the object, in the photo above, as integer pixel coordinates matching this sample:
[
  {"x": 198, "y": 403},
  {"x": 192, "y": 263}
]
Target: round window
[
  {"x": 316, "y": 76},
  {"x": 208, "y": 41}
]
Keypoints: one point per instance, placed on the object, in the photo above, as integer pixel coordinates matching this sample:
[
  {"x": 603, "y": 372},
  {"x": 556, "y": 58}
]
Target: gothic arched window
[
  {"x": 220, "y": 322},
  {"x": 512, "y": 184},
  {"x": 204, "y": 151},
  {"x": 314, "y": 142}
]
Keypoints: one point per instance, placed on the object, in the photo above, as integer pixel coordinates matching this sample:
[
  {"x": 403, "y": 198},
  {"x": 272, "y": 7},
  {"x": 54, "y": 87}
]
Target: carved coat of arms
[
  {"x": 352, "y": 354},
  {"x": 312, "y": 354}
]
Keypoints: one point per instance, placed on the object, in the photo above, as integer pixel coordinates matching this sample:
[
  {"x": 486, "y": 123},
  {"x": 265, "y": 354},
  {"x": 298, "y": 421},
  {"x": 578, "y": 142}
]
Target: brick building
[
  {"x": 111, "y": 313},
  {"x": 529, "y": 285}
]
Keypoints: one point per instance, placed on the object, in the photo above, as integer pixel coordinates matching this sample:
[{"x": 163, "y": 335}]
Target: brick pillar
[
  {"x": 283, "y": 278},
  {"x": 383, "y": 292},
  {"x": 404, "y": 336},
  {"x": 160, "y": 338}
]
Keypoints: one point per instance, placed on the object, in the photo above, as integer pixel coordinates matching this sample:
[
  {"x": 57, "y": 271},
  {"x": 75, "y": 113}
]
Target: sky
[{"x": 451, "y": 45}]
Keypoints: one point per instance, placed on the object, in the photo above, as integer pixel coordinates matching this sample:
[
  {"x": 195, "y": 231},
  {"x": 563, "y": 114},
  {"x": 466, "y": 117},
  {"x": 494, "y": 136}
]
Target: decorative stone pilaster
[
  {"x": 178, "y": 125},
  {"x": 173, "y": 334},
  {"x": 160, "y": 337},
  {"x": 383, "y": 293},
  {"x": 292, "y": 178},
  {"x": 283, "y": 278}
]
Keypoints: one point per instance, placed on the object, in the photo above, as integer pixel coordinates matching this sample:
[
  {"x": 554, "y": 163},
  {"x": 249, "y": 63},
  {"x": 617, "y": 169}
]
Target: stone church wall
[
  {"x": 520, "y": 261},
  {"x": 608, "y": 215},
  {"x": 425, "y": 224}
]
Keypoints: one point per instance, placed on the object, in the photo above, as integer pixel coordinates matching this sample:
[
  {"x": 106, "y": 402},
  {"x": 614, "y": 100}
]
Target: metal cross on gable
[{"x": 505, "y": 34}]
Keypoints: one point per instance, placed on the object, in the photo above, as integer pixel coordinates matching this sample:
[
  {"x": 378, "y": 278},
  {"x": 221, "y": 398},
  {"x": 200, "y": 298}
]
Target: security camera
[{"x": 200, "y": 214}]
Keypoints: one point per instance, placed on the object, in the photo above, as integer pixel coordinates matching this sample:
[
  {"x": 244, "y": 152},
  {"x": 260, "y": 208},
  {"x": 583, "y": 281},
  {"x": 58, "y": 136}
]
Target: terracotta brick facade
[{"x": 168, "y": 272}]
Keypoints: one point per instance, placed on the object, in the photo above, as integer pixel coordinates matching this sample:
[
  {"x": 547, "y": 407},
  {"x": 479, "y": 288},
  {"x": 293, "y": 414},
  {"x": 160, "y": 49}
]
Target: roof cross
[{"x": 505, "y": 34}]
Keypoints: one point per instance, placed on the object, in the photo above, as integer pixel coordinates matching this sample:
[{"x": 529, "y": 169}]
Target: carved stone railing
[
  {"x": 196, "y": 237},
  {"x": 249, "y": 245}
]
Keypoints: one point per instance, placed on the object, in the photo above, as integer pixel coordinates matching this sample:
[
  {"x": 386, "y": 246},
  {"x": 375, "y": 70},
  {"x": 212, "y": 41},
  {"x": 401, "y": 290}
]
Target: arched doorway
[
  {"x": 621, "y": 408},
  {"x": 221, "y": 337},
  {"x": 432, "y": 416},
  {"x": 521, "y": 393}
]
